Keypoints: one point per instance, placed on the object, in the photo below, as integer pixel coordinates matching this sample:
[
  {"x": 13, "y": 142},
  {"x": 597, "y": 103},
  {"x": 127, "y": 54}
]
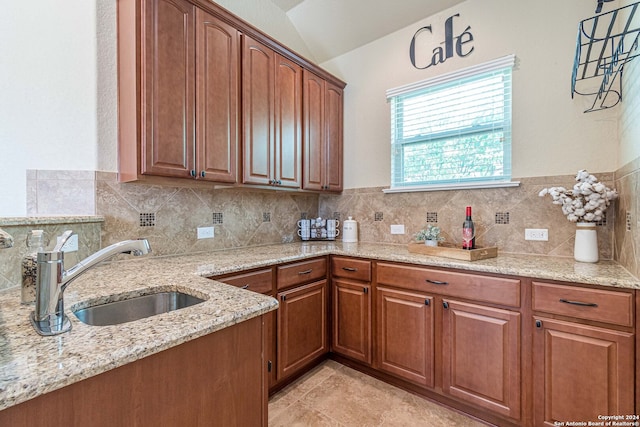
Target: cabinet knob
[
  {"x": 538, "y": 323},
  {"x": 427, "y": 302},
  {"x": 202, "y": 174},
  {"x": 192, "y": 173},
  {"x": 445, "y": 304}
]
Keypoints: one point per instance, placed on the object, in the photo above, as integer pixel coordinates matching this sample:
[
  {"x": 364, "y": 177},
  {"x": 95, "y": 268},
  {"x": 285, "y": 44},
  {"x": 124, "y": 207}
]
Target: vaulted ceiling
[{"x": 333, "y": 27}]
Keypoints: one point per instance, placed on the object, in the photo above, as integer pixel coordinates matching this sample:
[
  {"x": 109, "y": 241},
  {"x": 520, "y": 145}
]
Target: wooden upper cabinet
[
  {"x": 272, "y": 107},
  {"x": 334, "y": 128},
  {"x": 323, "y": 123},
  {"x": 217, "y": 63},
  {"x": 257, "y": 106},
  {"x": 189, "y": 73},
  {"x": 169, "y": 88},
  {"x": 288, "y": 123}
]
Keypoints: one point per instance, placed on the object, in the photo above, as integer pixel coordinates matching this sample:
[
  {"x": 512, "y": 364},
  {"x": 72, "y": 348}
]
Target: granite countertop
[{"x": 31, "y": 365}]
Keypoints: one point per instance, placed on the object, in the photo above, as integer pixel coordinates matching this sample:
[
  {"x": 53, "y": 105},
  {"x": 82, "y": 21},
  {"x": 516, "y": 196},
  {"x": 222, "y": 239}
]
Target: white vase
[
  {"x": 431, "y": 242},
  {"x": 585, "y": 248}
]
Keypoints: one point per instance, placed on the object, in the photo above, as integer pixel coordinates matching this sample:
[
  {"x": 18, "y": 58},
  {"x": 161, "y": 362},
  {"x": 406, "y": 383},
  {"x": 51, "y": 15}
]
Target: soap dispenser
[{"x": 35, "y": 244}]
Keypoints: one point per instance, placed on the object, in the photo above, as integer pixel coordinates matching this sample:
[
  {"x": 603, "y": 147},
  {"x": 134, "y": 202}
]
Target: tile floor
[{"x": 335, "y": 395}]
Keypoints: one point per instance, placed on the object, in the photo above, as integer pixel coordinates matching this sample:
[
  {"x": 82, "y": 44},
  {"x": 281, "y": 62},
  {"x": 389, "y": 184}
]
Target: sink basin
[{"x": 135, "y": 308}]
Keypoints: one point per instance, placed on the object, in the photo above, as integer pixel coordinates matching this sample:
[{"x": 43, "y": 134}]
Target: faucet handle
[{"x": 62, "y": 240}]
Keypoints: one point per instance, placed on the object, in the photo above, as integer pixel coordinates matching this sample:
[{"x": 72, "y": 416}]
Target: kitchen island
[{"x": 31, "y": 365}]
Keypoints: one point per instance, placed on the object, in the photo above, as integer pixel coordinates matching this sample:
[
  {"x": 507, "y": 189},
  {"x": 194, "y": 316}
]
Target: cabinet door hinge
[
  {"x": 269, "y": 365},
  {"x": 365, "y": 290}
]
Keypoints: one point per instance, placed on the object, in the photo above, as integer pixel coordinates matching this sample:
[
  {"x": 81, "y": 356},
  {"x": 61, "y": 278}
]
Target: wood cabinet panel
[
  {"x": 257, "y": 106},
  {"x": 405, "y": 335},
  {"x": 352, "y": 319},
  {"x": 217, "y": 379},
  {"x": 288, "y": 124},
  {"x": 350, "y": 268},
  {"x": 600, "y": 305},
  {"x": 334, "y": 137},
  {"x": 169, "y": 88},
  {"x": 301, "y": 272},
  {"x": 260, "y": 281},
  {"x": 496, "y": 290},
  {"x": 581, "y": 372},
  {"x": 323, "y": 134},
  {"x": 302, "y": 327},
  {"x": 217, "y": 82},
  {"x": 314, "y": 159},
  {"x": 481, "y": 356}
]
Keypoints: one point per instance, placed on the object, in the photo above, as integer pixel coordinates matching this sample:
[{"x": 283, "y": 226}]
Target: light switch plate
[
  {"x": 205, "y": 233},
  {"x": 397, "y": 228}
]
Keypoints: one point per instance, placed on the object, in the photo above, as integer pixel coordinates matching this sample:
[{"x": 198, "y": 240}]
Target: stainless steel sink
[{"x": 135, "y": 308}]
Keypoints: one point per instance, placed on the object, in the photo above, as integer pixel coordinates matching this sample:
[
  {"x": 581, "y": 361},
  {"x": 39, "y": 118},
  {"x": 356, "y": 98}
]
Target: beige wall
[{"x": 551, "y": 134}]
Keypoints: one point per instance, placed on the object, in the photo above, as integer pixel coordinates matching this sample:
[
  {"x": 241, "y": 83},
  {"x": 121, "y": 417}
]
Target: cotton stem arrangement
[{"x": 586, "y": 202}]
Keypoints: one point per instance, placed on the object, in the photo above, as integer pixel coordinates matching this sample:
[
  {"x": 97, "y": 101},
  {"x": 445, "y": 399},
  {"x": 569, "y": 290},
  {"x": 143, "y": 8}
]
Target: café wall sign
[{"x": 458, "y": 44}]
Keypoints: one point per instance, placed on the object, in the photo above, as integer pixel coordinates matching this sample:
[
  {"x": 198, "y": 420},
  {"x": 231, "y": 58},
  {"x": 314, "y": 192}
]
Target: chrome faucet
[{"x": 48, "y": 318}]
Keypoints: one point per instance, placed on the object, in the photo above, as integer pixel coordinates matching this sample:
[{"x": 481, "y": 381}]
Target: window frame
[{"x": 398, "y": 160}]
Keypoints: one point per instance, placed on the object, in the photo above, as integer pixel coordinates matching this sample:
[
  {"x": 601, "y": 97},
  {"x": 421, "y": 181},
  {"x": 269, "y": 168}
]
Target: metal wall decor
[
  {"x": 451, "y": 44},
  {"x": 605, "y": 44}
]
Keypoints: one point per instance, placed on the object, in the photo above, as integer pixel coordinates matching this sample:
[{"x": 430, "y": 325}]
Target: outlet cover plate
[
  {"x": 397, "y": 228},
  {"x": 205, "y": 233},
  {"x": 540, "y": 234}
]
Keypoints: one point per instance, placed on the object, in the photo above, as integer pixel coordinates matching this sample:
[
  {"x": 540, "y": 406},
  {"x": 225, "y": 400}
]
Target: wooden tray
[{"x": 448, "y": 250}]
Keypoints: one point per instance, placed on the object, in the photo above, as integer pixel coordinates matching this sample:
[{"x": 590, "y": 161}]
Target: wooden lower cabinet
[
  {"x": 405, "y": 335},
  {"x": 217, "y": 379},
  {"x": 302, "y": 327},
  {"x": 481, "y": 356},
  {"x": 581, "y": 372},
  {"x": 352, "y": 319}
]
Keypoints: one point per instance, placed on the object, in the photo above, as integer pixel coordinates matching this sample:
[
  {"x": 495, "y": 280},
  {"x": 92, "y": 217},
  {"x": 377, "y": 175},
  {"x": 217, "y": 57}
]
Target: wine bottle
[{"x": 468, "y": 232}]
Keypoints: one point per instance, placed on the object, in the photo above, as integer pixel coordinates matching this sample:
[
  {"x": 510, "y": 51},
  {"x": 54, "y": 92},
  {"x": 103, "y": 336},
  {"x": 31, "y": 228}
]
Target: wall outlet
[
  {"x": 71, "y": 245},
  {"x": 541, "y": 234},
  {"x": 397, "y": 228},
  {"x": 205, "y": 233}
]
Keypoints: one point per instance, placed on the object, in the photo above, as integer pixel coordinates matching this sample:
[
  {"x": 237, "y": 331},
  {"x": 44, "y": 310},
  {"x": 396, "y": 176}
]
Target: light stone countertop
[{"x": 31, "y": 365}]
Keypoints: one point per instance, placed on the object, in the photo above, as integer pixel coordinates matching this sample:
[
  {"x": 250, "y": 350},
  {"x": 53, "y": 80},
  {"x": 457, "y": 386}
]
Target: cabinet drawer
[
  {"x": 301, "y": 272},
  {"x": 350, "y": 268},
  {"x": 496, "y": 290},
  {"x": 260, "y": 281},
  {"x": 584, "y": 303}
]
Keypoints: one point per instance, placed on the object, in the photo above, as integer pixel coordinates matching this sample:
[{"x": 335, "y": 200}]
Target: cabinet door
[
  {"x": 581, "y": 372},
  {"x": 288, "y": 123},
  {"x": 352, "y": 319},
  {"x": 257, "y": 106},
  {"x": 404, "y": 333},
  {"x": 481, "y": 356},
  {"x": 333, "y": 139},
  {"x": 314, "y": 131},
  {"x": 217, "y": 65},
  {"x": 302, "y": 327},
  {"x": 169, "y": 88}
]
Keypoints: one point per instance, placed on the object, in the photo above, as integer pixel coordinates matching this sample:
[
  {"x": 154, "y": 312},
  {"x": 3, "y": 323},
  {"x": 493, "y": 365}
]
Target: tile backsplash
[
  {"x": 500, "y": 215},
  {"x": 169, "y": 214}
]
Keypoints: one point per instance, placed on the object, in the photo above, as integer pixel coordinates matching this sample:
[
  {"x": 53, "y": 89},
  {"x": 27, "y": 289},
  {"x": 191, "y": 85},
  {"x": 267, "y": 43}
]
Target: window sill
[{"x": 445, "y": 187}]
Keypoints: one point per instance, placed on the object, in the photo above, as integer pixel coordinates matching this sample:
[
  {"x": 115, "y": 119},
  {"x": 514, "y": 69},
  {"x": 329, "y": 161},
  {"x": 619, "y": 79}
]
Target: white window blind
[{"x": 453, "y": 129}]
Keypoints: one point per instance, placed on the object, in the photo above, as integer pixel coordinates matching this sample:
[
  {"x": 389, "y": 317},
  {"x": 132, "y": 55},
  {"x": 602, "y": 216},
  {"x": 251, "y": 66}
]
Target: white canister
[{"x": 350, "y": 230}]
